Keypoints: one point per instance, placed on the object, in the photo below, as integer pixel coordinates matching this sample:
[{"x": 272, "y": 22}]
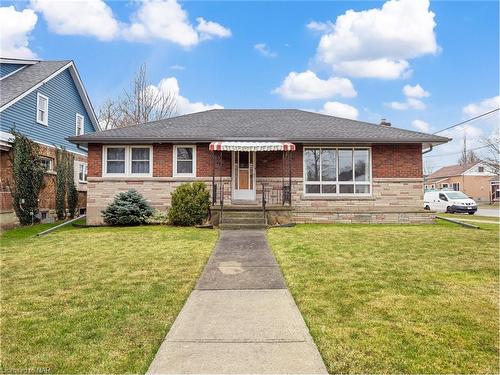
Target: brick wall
[
  {"x": 388, "y": 161},
  {"x": 95, "y": 160},
  {"x": 403, "y": 161},
  {"x": 47, "y": 194}
]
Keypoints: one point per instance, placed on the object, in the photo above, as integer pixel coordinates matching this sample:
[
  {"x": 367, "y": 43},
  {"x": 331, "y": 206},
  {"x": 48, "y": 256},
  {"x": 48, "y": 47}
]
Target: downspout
[{"x": 427, "y": 151}]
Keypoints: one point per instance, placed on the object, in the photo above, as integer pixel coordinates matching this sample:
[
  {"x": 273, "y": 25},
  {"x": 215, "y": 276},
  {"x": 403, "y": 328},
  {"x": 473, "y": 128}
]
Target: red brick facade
[
  {"x": 95, "y": 160},
  {"x": 48, "y": 193},
  {"x": 400, "y": 161},
  {"x": 388, "y": 161}
]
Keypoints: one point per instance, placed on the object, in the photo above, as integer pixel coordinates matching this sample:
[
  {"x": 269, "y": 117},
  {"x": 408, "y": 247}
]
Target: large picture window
[
  {"x": 185, "y": 161},
  {"x": 337, "y": 171},
  {"x": 127, "y": 160}
]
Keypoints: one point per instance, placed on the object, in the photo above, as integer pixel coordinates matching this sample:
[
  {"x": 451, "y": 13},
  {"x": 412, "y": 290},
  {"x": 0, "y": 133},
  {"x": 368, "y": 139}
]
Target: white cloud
[
  {"x": 411, "y": 93},
  {"x": 486, "y": 105},
  {"x": 15, "y": 28},
  {"x": 210, "y": 29},
  {"x": 153, "y": 20},
  {"x": 264, "y": 50},
  {"x": 92, "y": 18},
  {"x": 184, "y": 105},
  {"x": 177, "y": 67},
  {"x": 321, "y": 26},
  {"x": 307, "y": 86},
  {"x": 378, "y": 42},
  {"x": 421, "y": 126},
  {"x": 410, "y": 103},
  {"x": 165, "y": 20},
  {"x": 379, "y": 68},
  {"x": 415, "y": 91},
  {"x": 340, "y": 110}
]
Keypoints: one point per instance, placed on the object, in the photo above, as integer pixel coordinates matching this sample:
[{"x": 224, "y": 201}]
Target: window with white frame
[
  {"x": 337, "y": 171},
  {"x": 456, "y": 186},
  {"x": 42, "y": 109},
  {"x": 185, "y": 161},
  {"x": 128, "y": 160},
  {"x": 82, "y": 172},
  {"x": 47, "y": 163},
  {"x": 80, "y": 121},
  {"x": 140, "y": 160},
  {"x": 444, "y": 186}
]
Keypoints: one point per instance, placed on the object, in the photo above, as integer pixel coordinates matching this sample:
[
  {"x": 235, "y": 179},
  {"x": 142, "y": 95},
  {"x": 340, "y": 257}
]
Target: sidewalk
[{"x": 240, "y": 318}]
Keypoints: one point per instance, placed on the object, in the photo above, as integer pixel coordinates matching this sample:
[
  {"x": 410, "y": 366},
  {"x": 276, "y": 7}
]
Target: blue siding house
[{"x": 47, "y": 102}]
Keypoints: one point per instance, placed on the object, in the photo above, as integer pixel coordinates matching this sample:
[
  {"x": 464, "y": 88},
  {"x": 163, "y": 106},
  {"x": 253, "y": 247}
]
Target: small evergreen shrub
[
  {"x": 190, "y": 204},
  {"x": 158, "y": 218},
  {"x": 128, "y": 208}
]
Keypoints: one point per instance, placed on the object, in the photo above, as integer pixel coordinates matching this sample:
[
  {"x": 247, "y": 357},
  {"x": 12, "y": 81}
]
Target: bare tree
[
  {"x": 491, "y": 153},
  {"x": 468, "y": 156},
  {"x": 428, "y": 167},
  {"x": 141, "y": 102},
  {"x": 109, "y": 115}
]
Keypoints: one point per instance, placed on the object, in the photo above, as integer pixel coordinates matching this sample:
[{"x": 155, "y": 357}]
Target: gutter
[{"x": 129, "y": 140}]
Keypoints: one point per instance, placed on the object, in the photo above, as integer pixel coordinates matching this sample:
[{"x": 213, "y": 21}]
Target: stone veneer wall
[{"x": 393, "y": 200}]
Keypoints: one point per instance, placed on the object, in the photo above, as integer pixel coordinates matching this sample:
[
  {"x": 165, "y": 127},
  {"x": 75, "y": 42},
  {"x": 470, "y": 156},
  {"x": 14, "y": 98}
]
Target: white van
[{"x": 449, "y": 201}]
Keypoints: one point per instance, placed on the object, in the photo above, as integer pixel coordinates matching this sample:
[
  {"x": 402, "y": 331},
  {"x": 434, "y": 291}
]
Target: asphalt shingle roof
[
  {"x": 21, "y": 81},
  {"x": 258, "y": 125},
  {"x": 452, "y": 170}
]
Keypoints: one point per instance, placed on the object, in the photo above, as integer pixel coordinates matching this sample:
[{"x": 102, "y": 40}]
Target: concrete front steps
[{"x": 242, "y": 218}]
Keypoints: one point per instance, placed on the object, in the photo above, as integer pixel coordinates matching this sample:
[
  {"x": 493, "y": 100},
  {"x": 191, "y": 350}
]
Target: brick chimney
[{"x": 384, "y": 122}]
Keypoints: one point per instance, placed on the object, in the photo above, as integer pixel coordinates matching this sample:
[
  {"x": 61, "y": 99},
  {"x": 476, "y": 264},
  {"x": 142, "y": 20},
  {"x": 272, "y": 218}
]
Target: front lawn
[
  {"x": 396, "y": 298},
  {"x": 94, "y": 300}
]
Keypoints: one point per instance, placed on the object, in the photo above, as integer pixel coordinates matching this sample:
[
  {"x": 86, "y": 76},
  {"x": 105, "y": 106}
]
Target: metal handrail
[
  {"x": 221, "y": 202},
  {"x": 264, "y": 202}
]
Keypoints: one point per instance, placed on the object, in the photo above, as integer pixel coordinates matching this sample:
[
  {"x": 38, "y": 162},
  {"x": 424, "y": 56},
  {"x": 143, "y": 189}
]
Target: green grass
[
  {"x": 94, "y": 300},
  {"x": 396, "y": 298}
]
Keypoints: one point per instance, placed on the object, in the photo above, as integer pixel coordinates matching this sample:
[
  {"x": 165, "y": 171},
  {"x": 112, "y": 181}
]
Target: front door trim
[{"x": 243, "y": 194}]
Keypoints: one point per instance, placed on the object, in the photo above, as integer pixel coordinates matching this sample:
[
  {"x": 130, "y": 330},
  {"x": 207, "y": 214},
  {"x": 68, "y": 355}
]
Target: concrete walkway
[{"x": 240, "y": 319}]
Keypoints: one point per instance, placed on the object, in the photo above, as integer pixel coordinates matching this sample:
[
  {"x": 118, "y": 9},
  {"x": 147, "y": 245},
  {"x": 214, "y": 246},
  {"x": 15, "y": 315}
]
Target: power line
[
  {"x": 454, "y": 153},
  {"x": 469, "y": 120}
]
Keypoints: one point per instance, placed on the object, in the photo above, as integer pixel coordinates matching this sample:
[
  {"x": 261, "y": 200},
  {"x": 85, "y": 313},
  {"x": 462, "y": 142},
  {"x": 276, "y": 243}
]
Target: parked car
[{"x": 449, "y": 201}]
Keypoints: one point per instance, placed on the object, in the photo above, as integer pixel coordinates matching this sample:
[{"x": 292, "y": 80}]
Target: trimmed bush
[
  {"x": 128, "y": 208},
  {"x": 190, "y": 204},
  {"x": 158, "y": 218}
]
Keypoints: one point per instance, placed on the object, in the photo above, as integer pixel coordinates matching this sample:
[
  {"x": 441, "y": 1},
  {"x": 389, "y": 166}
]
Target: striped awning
[{"x": 252, "y": 146}]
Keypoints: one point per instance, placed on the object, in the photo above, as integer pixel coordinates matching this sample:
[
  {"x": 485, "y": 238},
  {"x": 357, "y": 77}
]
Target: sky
[{"x": 421, "y": 65}]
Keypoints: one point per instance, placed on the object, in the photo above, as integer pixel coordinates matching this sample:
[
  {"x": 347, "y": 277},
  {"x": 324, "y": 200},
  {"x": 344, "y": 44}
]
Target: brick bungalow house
[
  {"x": 306, "y": 166},
  {"x": 473, "y": 179},
  {"x": 47, "y": 102}
]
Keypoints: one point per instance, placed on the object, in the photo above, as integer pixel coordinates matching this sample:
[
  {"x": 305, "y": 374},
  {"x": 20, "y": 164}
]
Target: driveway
[
  {"x": 486, "y": 211},
  {"x": 241, "y": 318}
]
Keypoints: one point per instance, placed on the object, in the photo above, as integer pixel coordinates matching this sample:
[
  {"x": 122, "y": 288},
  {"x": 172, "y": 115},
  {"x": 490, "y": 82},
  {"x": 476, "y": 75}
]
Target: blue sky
[{"x": 243, "y": 55}]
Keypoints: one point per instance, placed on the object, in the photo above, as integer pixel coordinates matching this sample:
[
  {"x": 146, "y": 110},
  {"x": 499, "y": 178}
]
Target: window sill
[
  {"x": 82, "y": 182},
  {"x": 53, "y": 173},
  {"x": 337, "y": 198},
  {"x": 42, "y": 123}
]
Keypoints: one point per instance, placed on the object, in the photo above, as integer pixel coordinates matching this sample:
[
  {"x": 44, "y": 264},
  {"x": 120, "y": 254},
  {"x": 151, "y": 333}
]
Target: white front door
[{"x": 244, "y": 175}]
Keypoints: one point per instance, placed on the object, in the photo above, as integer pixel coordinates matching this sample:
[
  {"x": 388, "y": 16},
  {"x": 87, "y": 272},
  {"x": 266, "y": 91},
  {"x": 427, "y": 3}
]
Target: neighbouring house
[
  {"x": 473, "y": 179},
  {"x": 307, "y": 166},
  {"x": 47, "y": 102}
]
